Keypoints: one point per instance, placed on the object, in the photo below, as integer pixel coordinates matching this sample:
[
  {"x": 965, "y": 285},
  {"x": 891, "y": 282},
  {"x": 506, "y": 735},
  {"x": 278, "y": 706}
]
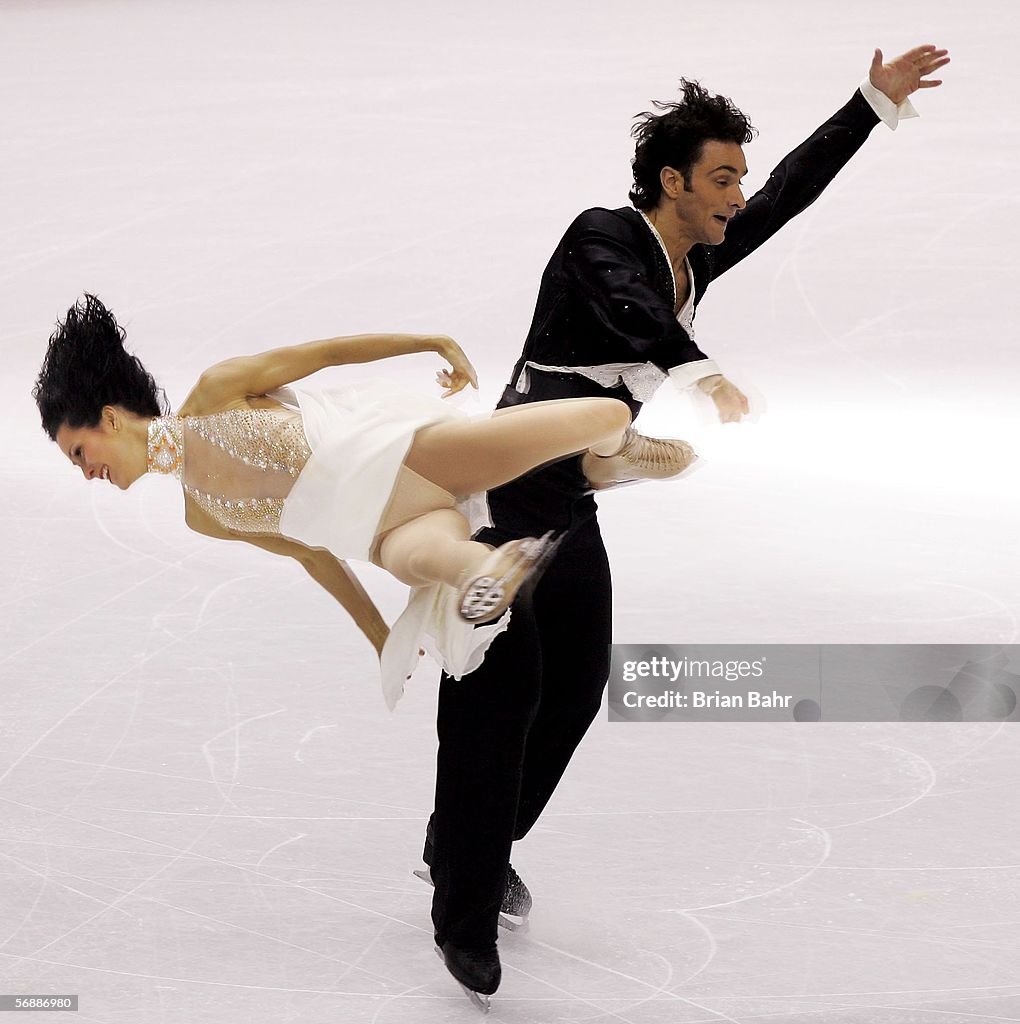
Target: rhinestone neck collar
[{"x": 165, "y": 448}]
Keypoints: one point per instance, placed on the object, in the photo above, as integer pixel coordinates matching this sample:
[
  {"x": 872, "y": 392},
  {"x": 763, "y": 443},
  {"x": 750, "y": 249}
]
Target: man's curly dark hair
[
  {"x": 675, "y": 138},
  {"x": 87, "y": 367}
]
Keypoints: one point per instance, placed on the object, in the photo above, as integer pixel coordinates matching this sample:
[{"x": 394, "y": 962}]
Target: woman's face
[{"x": 114, "y": 450}]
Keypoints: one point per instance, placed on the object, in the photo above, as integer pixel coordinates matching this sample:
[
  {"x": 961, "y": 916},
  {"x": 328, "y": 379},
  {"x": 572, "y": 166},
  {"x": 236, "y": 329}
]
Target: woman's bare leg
[
  {"x": 464, "y": 456},
  {"x": 435, "y": 547},
  {"x": 473, "y": 455}
]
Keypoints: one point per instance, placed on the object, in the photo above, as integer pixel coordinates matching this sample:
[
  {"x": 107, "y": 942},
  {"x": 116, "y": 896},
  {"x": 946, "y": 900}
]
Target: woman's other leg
[
  {"x": 464, "y": 456},
  {"x": 434, "y": 547}
]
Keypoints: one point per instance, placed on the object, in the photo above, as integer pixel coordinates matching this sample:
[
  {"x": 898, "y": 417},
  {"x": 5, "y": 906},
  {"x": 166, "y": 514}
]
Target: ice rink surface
[{"x": 206, "y": 813}]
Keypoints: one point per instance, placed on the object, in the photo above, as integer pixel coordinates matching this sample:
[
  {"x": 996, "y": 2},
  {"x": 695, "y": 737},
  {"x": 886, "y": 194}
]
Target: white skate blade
[
  {"x": 508, "y": 921},
  {"x": 482, "y": 1002},
  {"x": 513, "y": 924},
  {"x": 615, "y": 485}
]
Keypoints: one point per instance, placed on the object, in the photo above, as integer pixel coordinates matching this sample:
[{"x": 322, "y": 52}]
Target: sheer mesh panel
[{"x": 239, "y": 465}]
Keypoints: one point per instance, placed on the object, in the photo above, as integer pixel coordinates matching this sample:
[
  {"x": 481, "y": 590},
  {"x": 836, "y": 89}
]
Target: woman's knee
[
  {"x": 411, "y": 551},
  {"x": 605, "y": 416},
  {"x": 398, "y": 558},
  {"x": 617, "y": 413}
]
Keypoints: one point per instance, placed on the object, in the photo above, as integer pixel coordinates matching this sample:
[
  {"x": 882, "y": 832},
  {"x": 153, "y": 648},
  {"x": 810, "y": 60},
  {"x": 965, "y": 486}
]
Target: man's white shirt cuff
[
  {"x": 884, "y": 107},
  {"x": 687, "y": 374}
]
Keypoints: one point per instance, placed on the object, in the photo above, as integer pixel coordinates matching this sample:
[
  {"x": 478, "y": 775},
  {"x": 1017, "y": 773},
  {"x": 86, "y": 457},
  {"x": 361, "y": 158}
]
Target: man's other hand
[
  {"x": 730, "y": 402},
  {"x": 905, "y": 74}
]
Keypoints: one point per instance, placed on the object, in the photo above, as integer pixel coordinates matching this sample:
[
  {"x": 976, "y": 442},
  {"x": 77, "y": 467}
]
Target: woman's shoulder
[{"x": 210, "y": 396}]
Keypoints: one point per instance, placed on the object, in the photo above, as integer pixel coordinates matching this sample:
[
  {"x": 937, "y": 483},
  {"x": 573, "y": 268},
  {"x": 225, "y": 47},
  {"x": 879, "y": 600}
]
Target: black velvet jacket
[{"x": 607, "y": 294}]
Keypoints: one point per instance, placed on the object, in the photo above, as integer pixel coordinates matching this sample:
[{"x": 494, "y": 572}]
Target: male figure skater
[{"x": 614, "y": 317}]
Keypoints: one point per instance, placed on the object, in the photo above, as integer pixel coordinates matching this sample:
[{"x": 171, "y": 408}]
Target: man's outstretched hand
[{"x": 905, "y": 74}]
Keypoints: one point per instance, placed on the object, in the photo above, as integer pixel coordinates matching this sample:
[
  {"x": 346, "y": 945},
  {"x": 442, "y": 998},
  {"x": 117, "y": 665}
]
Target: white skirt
[{"x": 359, "y": 437}]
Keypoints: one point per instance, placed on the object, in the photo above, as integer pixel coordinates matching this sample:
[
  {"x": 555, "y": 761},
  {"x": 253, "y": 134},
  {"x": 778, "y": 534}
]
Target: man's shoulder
[{"x": 622, "y": 221}]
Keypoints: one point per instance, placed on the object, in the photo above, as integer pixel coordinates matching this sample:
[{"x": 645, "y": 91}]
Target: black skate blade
[{"x": 482, "y": 1002}]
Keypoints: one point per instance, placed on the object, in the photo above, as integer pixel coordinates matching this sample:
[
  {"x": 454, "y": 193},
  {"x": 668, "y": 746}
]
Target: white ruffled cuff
[
  {"x": 687, "y": 374},
  {"x": 884, "y": 107}
]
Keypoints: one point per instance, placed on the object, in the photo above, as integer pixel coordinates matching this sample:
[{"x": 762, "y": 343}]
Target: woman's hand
[{"x": 461, "y": 372}]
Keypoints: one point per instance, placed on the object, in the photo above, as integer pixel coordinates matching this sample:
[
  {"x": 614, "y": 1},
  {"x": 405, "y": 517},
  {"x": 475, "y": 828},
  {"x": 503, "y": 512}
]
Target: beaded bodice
[{"x": 238, "y": 466}]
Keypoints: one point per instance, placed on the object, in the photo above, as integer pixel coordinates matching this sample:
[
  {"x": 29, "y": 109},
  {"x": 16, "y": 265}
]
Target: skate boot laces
[{"x": 654, "y": 456}]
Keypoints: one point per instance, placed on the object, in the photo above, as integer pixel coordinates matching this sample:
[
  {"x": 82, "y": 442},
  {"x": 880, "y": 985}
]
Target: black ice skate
[
  {"x": 477, "y": 971},
  {"x": 517, "y": 901},
  {"x": 516, "y": 906}
]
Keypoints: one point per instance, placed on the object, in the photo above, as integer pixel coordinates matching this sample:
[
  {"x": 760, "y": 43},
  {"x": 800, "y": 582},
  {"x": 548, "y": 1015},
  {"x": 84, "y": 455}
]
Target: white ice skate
[
  {"x": 639, "y": 458},
  {"x": 489, "y": 592}
]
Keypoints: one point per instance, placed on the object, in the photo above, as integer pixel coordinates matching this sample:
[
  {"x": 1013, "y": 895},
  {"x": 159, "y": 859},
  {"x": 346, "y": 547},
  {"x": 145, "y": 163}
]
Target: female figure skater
[{"x": 360, "y": 472}]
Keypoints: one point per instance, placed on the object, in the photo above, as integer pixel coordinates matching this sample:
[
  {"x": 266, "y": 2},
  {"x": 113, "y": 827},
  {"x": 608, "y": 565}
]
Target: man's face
[{"x": 714, "y": 195}]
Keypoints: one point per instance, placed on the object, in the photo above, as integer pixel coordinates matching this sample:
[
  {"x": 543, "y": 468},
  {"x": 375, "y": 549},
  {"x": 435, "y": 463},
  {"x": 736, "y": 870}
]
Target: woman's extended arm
[
  {"x": 327, "y": 570},
  {"x": 335, "y": 577},
  {"x": 260, "y": 374}
]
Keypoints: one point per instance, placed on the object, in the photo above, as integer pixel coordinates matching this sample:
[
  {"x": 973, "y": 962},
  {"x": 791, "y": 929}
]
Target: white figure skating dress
[{"x": 321, "y": 469}]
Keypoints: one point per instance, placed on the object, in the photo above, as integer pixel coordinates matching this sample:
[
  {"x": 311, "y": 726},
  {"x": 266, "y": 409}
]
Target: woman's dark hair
[
  {"x": 87, "y": 367},
  {"x": 675, "y": 138}
]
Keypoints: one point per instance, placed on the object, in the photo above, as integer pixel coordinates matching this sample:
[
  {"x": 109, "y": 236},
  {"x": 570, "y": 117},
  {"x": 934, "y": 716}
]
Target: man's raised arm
[{"x": 799, "y": 179}]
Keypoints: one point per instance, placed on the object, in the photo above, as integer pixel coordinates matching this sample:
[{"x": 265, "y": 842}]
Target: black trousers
[{"x": 508, "y": 730}]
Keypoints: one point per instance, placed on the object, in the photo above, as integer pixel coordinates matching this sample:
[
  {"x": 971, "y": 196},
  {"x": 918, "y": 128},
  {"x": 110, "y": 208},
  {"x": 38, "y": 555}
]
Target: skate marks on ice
[{"x": 221, "y": 828}]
